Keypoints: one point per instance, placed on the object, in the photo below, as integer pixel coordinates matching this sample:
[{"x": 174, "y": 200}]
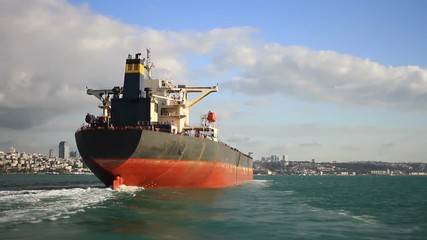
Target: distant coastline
[
  {"x": 21, "y": 162},
  {"x": 269, "y": 167}
]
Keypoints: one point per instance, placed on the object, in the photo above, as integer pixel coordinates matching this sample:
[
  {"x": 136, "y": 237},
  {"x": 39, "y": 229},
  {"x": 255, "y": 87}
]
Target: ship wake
[{"x": 33, "y": 206}]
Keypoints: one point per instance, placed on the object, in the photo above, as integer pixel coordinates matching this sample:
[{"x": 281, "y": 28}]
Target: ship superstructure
[{"x": 144, "y": 101}]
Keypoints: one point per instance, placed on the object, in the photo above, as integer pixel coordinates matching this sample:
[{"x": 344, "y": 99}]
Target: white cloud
[
  {"x": 52, "y": 50},
  {"x": 260, "y": 102},
  {"x": 348, "y": 148},
  {"x": 332, "y": 77},
  {"x": 310, "y": 144},
  {"x": 238, "y": 139},
  {"x": 388, "y": 145}
]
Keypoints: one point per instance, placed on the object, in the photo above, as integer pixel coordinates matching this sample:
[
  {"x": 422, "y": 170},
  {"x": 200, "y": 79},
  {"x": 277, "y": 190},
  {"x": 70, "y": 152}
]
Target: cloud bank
[
  {"x": 51, "y": 50},
  {"x": 327, "y": 76}
]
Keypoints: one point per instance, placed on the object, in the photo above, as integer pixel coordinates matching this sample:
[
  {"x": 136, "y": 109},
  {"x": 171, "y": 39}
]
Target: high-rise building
[
  {"x": 285, "y": 160},
  {"x": 51, "y": 153},
  {"x": 285, "y": 157},
  {"x": 64, "y": 150}
]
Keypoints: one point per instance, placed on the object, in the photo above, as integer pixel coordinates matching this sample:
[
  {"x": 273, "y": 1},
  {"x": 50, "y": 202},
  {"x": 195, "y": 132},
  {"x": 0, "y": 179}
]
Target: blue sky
[
  {"x": 330, "y": 80},
  {"x": 390, "y": 32}
]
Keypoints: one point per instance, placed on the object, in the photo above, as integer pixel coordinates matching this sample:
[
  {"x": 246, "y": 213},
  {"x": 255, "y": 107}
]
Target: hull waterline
[{"x": 136, "y": 159}]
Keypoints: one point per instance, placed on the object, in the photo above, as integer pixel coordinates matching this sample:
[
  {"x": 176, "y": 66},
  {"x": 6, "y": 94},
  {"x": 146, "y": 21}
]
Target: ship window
[
  {"x": 129, "y": 67},
  {"x": 135, "y": 66},
  {"x": 156, "y": 108}
]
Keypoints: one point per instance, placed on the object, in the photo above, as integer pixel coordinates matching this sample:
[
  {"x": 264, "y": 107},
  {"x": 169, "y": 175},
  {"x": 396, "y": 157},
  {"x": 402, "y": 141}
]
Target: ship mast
[{"x": 148, "y": 65}]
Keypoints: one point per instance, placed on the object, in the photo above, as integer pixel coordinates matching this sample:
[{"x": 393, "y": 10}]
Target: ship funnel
[{"x": 134, "y": 77}]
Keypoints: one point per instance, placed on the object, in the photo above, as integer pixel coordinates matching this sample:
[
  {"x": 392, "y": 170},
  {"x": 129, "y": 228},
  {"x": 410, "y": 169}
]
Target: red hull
[{"x": 166, "y": 173}]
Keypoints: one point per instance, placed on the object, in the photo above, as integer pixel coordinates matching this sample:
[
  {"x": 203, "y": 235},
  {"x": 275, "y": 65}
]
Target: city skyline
[
  {"x": 331, "y": 80},
  {"x": 63, "y": 147}
]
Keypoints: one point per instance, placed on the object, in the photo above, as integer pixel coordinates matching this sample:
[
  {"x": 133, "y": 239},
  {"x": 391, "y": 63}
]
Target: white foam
[
  {"x": 129, "y": 189},
  {"x": 366, "y": 219},
  {"x": 288, "y": 192},
  {"x": 36, "y": 205},
  {"x": 362, "y": 218},
  {"x": 261, "y": 182}
]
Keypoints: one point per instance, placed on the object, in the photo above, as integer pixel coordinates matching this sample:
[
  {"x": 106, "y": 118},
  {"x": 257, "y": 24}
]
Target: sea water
[{"x": 270, "y": 207}]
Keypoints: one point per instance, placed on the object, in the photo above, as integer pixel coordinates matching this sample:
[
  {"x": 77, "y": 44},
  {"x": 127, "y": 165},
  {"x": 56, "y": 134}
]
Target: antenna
[{"x": 148, "y": 62}]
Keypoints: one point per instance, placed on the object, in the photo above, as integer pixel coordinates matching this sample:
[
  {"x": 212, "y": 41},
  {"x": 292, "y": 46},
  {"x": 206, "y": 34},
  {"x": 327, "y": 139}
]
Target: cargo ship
[{"x": 144, "y": 138}]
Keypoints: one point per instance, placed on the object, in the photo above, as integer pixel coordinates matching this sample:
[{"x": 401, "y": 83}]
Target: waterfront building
[
  {"x": 274, "y": 158},
  {"x": 285, "y": 159},
  {"x": 74, "y": 154}
]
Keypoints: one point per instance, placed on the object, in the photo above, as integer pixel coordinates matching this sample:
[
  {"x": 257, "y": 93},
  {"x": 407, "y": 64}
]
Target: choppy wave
[
  {"x": 291, "y": 207},
  {"x": 362, "y": 218}
]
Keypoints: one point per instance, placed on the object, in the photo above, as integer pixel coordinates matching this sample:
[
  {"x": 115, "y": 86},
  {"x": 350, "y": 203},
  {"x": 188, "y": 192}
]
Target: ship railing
[
  {"x": 159, "y": 127},
  {"x": 237, "y": 150}
]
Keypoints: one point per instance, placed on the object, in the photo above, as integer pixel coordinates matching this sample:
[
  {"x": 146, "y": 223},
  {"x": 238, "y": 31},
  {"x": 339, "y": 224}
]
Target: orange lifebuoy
[{"x": 211, "y": 117}]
